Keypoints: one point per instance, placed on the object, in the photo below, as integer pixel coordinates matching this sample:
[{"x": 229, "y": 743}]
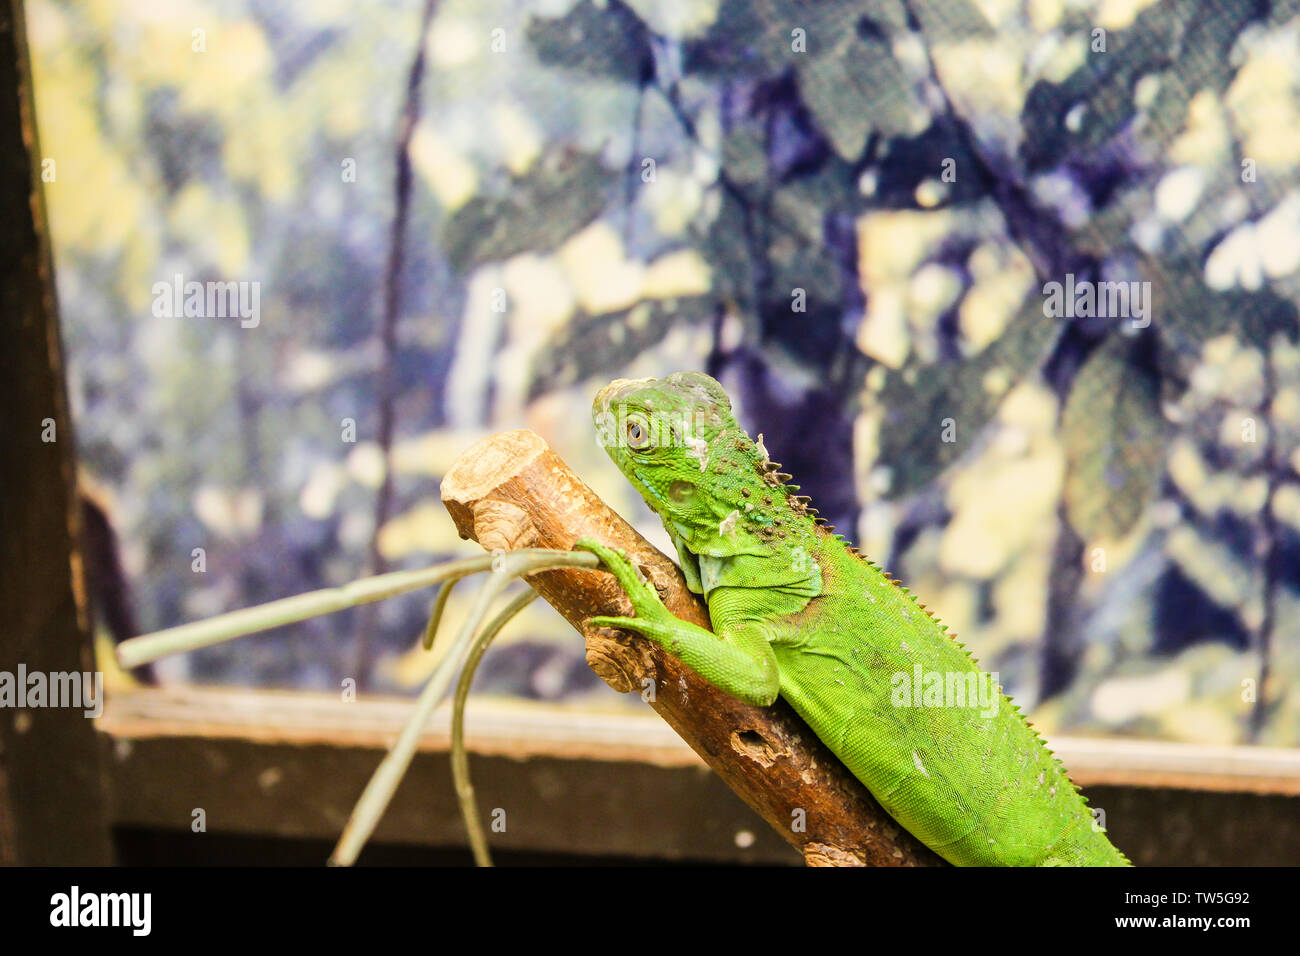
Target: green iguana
[{"x": 797, "y": 612}]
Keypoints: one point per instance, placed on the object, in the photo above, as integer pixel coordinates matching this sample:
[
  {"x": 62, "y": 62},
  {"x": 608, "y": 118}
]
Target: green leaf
[
  {"x": 1186, "y": 45},
  {"x": 607, "y": 344},
  {"x": 800, "y": 254},
  {"x": 537, "y": 212},
  {"x": 748, "y": 38},
  {"x": 849, "y": 78},
  {"x": 606, "y": 41},
  {"x": 847, "y": 74},
  {"x": 857, "y": 87},
  {"x": 1187, "y": 313},
  {"x": 942, "y": 20},
  {"x": 726, "y": 248},
  {"x": 1114, "y": 434},
  {"x": 744, "y": 156},
  {"x": 919, "y": 397}
]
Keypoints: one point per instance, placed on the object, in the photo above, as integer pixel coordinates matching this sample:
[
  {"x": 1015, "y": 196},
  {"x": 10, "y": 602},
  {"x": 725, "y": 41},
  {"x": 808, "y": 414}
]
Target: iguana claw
[{"x": 643, "y": 595}]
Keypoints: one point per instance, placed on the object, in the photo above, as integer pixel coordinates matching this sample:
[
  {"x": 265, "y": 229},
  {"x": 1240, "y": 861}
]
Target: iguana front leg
[{"x": 738, "y": 661}]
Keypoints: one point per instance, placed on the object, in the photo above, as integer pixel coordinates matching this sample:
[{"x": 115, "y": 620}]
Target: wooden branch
[{"x": 512, "y": 491}]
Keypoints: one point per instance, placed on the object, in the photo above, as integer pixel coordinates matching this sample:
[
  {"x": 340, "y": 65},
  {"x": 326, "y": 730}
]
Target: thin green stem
[
  {"x": 459, "y": 756},
  {"x": 379, "y": 791},
  {"x": 264, "y": 617},
  {"x": 435, "y": 616}
]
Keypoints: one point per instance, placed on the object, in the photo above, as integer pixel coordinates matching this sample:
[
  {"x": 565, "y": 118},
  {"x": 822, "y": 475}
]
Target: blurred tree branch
[{"x": 387, "y": 376}]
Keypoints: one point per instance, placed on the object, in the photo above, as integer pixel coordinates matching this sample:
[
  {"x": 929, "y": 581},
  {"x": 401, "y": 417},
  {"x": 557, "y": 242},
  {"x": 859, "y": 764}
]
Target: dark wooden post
[{"x": 52, "y": 794}]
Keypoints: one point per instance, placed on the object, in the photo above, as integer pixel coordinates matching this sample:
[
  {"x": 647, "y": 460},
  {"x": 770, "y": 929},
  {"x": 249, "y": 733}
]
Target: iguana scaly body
[{"x": 797, "y": 612}]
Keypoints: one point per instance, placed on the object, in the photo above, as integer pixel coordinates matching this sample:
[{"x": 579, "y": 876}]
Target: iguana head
[{"x": 676, "y": 440}]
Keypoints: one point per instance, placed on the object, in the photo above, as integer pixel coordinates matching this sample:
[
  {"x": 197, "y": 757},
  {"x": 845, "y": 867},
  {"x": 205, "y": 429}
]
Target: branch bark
[{"x": 512, "y": 491}]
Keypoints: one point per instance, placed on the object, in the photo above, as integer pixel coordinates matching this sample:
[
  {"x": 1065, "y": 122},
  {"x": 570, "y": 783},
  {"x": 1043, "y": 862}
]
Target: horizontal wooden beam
[
  {"x": 575, "y": 781},
  {"x": 293, "y": 765},
  {"x": 1097, "y": 761},
  {"x": 524, "y": 729}
]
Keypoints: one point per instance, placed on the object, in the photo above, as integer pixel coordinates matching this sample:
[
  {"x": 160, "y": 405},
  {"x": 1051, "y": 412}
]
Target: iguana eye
[{"x": 638, "y": 436}]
